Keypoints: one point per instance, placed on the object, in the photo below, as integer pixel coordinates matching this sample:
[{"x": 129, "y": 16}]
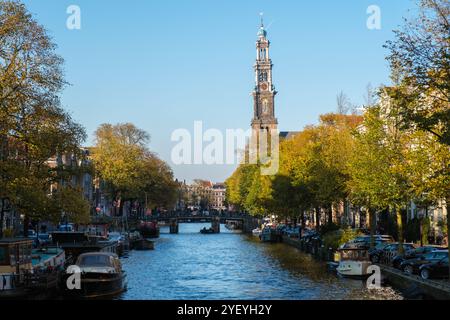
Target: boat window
[
  {"x": 3, "y": 259},
  {"x": 92, "y": 261}
]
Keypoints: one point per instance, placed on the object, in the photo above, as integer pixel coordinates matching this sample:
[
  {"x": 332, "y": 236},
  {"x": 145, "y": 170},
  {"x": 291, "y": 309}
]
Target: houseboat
[
  {"x": 101, "y": 275},
  {"x": 24, "y": 271},
  {"x": 353, "y": 262},
  {"x": 270, "y": 234},
  {"x": 149, "y": 229},
  {"x": 15, "y": 264},
  {"x": 76, "y": 243}
]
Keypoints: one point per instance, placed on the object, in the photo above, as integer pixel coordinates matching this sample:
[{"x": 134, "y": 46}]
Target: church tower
[{"x": 264, "y": 92}]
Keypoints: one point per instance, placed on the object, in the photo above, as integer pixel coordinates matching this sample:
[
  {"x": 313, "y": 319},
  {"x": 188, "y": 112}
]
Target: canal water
[{"x": 230, "y": 265}]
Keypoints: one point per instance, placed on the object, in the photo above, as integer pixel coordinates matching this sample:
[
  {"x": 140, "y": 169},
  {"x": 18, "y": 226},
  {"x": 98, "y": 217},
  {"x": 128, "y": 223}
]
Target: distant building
[
  {"x": 202, "y": 195},
  {"x": 218, "y": 197}
]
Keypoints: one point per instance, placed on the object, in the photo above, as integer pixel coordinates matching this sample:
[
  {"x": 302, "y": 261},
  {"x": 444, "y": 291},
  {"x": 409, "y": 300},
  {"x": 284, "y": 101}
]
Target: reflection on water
[{"x": 229, "y": 265}]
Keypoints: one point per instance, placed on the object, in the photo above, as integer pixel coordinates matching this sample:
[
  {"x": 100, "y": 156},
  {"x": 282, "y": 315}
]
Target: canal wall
[
  {"x": 313, "y": 248},
  {"x": 415, "y": 287},
  {"x": 412, "y": 286}
]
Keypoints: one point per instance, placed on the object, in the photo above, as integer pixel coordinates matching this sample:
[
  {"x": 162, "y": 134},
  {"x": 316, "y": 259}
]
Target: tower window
[
  {"x": 262, "y": 53},
  {"x": 262, "y": 76}
]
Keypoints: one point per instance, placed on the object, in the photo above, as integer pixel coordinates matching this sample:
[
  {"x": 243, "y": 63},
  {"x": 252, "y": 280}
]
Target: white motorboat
[{"x": 353, "y": 263}]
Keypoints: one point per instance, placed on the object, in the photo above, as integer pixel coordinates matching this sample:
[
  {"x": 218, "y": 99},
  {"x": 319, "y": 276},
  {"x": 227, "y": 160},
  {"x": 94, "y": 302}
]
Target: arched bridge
[{"x": 216, "y": 219}]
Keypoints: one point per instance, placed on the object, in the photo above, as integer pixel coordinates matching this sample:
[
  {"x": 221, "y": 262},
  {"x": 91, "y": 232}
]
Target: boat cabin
[
  {"x": 76, "y": 243},
  {"x": 354, "y": 254},
  {"x": 99, "y": 260},
  {"x": 15, "y": 255}
]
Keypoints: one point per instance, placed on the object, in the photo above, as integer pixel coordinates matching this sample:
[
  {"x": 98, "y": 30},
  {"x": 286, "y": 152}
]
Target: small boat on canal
[
  {"x": 354, "y": 262},
  {"x": 101, "y": 275},
  {"x": 207, "y": 231}
]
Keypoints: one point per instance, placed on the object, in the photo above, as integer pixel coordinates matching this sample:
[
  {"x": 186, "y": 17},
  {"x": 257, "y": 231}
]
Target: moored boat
[
  {"x": 121, "y": 240},
  {"x": 15, "y": 264},
  {"x": 149, "y": 229},
  {"x": 270, "y": 234},
  {"x": 76, "y": 243},
  {"x": 101, "y": 275},
  {"x": 207, "y": 231},
  {"x": 354, "y": 262},
  {"x": 25, "y": 272}
]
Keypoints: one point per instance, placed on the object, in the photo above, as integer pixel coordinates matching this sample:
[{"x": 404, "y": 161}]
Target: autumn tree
[
  {"x": 118, "y": 156},
  {"x": 159, "y": 187},
  {"x": 33, "y": 126},
  {"x": 239, "y": 184},
  {"x": 130, "y": 171},
  {"x": 420, "y": 62}
]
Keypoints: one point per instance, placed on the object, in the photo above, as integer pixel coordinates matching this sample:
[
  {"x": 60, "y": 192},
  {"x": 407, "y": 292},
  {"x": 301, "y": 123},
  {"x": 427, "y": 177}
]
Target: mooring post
[
  {"x": 173, "y": 226},
  {"x": 215, "y": 224}
]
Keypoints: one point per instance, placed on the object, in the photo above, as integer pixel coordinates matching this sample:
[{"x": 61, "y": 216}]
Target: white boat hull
[{"x": 351, "y": 268}]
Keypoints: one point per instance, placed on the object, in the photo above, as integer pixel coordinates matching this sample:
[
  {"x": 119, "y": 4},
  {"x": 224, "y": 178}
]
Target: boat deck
[{"x": 39, "y": 257}]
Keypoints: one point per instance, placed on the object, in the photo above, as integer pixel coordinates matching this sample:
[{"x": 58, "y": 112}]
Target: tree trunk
[
  {"x": 317, "y": 218},
  {"x": 2, "y": 216},
  {"x": 400, "y": 230},
  {"x": 372, "y": 224},
  {"x": 330, "y": 214},
  {"x": 26, "y": 222},
  {"x": 302, "y": 221},
  {"x": 121, "y": 207}
]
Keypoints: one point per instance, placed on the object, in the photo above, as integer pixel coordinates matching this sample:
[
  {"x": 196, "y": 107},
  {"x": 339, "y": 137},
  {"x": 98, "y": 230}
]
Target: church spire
[
  {"x": 264, "y": 93},
  {"x": 262, "y": 33}
]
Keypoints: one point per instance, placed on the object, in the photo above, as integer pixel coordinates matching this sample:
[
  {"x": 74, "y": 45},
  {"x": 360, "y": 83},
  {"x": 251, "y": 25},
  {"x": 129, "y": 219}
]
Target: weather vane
[{"x": 261, "y": 14}]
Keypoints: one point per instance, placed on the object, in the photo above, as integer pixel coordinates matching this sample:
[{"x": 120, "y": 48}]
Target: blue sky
[{"x": 164, "y": 64}]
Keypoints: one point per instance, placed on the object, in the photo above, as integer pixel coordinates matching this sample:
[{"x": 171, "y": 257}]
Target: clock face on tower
[{"x": 264, "y": 87}]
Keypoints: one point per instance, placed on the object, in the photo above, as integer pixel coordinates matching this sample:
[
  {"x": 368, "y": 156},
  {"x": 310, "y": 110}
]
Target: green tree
[
  {"x": 118, "y": 156},
  {"x": 420, "y": 60},
  {"x": 33, "y": 126},
  {"x": 368, "y": 166},
  {"x": 130, "y": 171}
]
